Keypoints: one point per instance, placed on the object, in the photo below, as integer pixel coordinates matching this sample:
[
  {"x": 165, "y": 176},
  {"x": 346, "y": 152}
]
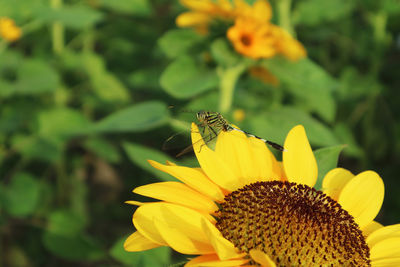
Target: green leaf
[
  {"x": 184, "y": 78},
  {"x": 155, "y": 257},
  {"x": 103, "y": 149},
  {"x": 315, "y": 12},
  {"x": 60, "y": 123},
  {"x": 65, "y": 222},
  {"x": 7, "y": 89},
  {"x": 36, "y": 147},
  {"x": 75, "y": 17},
  {"x": 327, "y": 159},
  {"x": 275, "y": 125},
  {"x": 21, "y": 196},
  {"x": 139, "y": 155},
  {"x": 223, "y": 53},
  {"x": 20, "y": 10},
  {"x": 106, "y": 85},
  {"x": 136, "y": 118},
  {"x": 146, "y": 78},
  {"x": 78, "y": 248},
  {"x": 307, "y": 81},
  {"x": 64, "y": 237},
  {"x": 133, "y": 7},
  {"x": 35, "y": 77},
  {"x": 120, "y": 254},
  {"x": 346, "y": 136},
  {"x": 178, "y": 41}
]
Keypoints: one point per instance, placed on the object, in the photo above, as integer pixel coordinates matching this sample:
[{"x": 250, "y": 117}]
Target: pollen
[{"x": 294, "y": 224}]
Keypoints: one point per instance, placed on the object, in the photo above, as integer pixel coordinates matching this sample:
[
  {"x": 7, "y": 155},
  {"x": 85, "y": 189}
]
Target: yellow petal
[
  {"x": 180, "y": 241},
  {"x": 137, "y": 242},
  {"x": 226, "y": 151},
  {"x": 265, "y": 162},
  {"x": 193, "y": 177},
  {"x": 190, "y": 19},
  {"x": 298, "y": 159},
  {"x": 212, "y": 260},
  {"x": 215, "y": 168},
  {"x": 387, "y": 248},
  {"x": 335, "y": 180},
  {"x": 362, "y": 197},
  {"x": 370, "y": 228},
  {"x": 199, "y": 5},
  {"x": 234, "y": 149},
  {"x": 223, "y": 247},
  {"x": 262, "y": 10},
  {"x": 153, "y": 220},
  {"x": 178, "y": 193},
  {"x": 144, "y": 223},
  {"x": 261, "y": 258},
  {"x": 390, "y": 262},
  {"x": 135, "y": 203},
  {"x": 383, "y": 233}
]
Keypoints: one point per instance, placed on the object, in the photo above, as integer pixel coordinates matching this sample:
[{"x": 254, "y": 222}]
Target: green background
[{"x": 85, "y": 96}]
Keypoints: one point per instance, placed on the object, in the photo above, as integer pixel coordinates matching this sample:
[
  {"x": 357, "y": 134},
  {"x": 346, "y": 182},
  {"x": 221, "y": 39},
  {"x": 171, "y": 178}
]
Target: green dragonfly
[{"x": 214, "y": 122}]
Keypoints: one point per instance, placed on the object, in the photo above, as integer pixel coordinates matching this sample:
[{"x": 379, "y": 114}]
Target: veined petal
[
  {"x": 299, "y": 161},
  {"x": 178, "y": 193},
  {"x": 390, "y": 262},
  {"x": 261, "y": 258},
  {"x": 370, "y": 228},
  {"x": 225, "y": 149},
  {"x": 233, "y": 147},
  {"x": 382, "y": 234},
  {"x": 137, "y": 242},
  {"x": 212, "y": 260},
  {"x": 335, "y": 180},
  {"x": 265, "y": 161},
  {"x": 223, "y": 247},
  {"x": 150, "y": 219},
  {"x": 362, "y": 197},
  {"x": 387, "y": 248},
  {"x": 193, "y": 177},
  {"x": 189, "y": 19},
  {"x": 144, "y": 223},
  {"x": 181, "y": 242},
  {"x": 136, "y": 203},
  {"x": 215, "y": 168}
]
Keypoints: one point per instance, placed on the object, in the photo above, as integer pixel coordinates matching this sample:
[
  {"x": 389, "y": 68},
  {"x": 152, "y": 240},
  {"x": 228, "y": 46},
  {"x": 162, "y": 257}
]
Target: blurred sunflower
[
  {"x": 243, "y": 207},
  {"x": 203, "y": 12},
  {"x": 8, "y": 30}
]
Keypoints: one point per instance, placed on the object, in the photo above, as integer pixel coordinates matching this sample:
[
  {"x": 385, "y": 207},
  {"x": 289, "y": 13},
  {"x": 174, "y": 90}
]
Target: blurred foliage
[{"x": 84, "y": 98}]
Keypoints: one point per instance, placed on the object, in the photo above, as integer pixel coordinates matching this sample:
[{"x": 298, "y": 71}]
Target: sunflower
[
  {"x": 203, "y": 12},
  {"x": 253, "y": 39},
  {"x": 242, "y": 207},
  {"x": 8, "y": 30}
]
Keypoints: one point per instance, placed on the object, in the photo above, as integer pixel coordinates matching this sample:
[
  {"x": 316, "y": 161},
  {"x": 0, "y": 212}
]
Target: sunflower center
[
  {"x": 245, "y": 39},
  {"x": 295, "y": 225}
]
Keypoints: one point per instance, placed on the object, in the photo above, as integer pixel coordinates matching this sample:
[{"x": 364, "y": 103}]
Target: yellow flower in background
[
  {"x": 8, "y": 30},
  {"x": 239, "y": 114},
  {"x": 252, "y": 38},
  {"x": 252, "y": 34},
  {"x": 260, "y": 11},
  {"x": 243, "y": 207},
  {"x": 203, "y": 12}
]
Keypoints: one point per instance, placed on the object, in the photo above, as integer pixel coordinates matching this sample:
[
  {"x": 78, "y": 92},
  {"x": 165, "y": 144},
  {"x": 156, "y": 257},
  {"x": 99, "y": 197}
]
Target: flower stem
[
  {"x": 284, "y": 15},
  {"x": 57, "y": 30},
  {"x": 228, "y": 80}
]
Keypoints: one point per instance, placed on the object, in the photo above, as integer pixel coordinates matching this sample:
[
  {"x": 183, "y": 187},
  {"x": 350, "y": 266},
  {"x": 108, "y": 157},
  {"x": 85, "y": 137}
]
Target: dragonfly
[{"x": 214, "y": 122}]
